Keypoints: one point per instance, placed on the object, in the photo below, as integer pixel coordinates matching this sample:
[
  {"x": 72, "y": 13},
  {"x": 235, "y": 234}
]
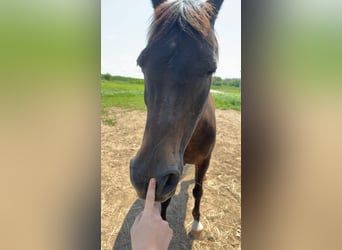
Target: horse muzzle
[{"x": 167, "y": 179}]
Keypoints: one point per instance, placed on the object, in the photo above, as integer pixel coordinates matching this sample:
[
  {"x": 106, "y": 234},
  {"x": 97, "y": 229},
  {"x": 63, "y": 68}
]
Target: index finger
[{"x": 150, "y": 196}]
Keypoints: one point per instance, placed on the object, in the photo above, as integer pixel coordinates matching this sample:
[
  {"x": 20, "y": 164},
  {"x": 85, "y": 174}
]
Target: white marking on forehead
[{"x": 173, "y": 44}]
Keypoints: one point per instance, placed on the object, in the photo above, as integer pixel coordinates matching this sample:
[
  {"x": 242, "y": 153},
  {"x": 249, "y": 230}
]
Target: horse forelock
[{"x": 191, "y": 16}]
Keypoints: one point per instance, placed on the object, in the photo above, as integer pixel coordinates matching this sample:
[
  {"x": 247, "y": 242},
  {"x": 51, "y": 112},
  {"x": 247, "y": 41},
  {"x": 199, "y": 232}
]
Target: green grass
[
  {"x": 129, "y": 93},
  {"x": 226, "y": 97},
  {"x": 122, "y": 94},
  {"x": 106, "y": 117},
  {"x": 227, "y": 100},
  {"x": 226, "y": 89}
]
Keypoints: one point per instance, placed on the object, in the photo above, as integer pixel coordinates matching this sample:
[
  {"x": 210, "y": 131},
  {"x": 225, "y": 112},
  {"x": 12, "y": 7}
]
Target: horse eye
[{"x": 210, "y": 72}]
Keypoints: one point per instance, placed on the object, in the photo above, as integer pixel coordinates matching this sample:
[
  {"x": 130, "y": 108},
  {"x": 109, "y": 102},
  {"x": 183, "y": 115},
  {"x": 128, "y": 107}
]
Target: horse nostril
[
  {"x": 167, "y": 184},
  {"x": 167, "y": 180}
]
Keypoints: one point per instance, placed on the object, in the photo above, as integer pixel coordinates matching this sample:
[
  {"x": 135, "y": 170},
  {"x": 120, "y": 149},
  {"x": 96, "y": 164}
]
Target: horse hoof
[
  {"x": 197, "y": 235},
  {"x": 197, "y": 230}
]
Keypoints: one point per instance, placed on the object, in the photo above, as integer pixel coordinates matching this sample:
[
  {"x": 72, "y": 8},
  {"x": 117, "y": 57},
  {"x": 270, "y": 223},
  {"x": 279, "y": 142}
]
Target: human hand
[{"x": 150, "y": 231}]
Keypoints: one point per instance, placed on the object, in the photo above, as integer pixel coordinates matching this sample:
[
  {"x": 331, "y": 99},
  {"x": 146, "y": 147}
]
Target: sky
[{"x": 124, "y": 26}]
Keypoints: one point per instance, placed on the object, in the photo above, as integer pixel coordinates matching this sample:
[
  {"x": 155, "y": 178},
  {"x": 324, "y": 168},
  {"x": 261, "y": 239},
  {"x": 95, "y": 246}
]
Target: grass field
[{"x": 129, "y": 93}]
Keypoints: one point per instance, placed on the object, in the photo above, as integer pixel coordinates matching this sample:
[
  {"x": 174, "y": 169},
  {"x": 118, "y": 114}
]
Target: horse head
[{"x": 177, "y": 63}]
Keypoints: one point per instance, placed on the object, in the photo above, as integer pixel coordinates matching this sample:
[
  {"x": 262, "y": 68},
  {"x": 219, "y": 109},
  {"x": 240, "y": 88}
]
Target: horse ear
[
  {"x": 216, "y": 4},
  {"x": 156, "y": 3}
]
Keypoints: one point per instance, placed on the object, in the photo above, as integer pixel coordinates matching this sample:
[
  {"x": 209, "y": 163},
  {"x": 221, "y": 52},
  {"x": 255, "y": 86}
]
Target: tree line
[
  {"x": 232, "y": 82},
  {"x": 217, "y": 81}
]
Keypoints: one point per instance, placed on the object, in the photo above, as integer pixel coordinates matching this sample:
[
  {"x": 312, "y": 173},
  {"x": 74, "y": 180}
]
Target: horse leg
[
  {"x": 197, "y": 227},
  {"x": 164, "y": 206}
]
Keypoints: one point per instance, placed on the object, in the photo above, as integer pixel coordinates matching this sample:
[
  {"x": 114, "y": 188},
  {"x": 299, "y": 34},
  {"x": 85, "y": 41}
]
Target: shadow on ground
[{"x": 176, "y": 214}]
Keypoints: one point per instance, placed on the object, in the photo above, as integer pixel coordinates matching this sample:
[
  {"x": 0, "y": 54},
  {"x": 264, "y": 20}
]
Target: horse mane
[{"x": 192, "y": 17}]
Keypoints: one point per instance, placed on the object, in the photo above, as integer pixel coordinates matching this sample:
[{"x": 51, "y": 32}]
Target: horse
[{"x": 178, "y": 63}]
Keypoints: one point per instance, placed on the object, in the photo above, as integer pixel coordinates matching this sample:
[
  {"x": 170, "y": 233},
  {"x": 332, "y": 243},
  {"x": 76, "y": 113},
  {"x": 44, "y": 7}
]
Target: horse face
[{"x": 178, "y": 70}]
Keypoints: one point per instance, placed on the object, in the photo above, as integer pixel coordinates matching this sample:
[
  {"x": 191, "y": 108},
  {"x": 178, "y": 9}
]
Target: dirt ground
[{"x": 221, "y": 202}]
